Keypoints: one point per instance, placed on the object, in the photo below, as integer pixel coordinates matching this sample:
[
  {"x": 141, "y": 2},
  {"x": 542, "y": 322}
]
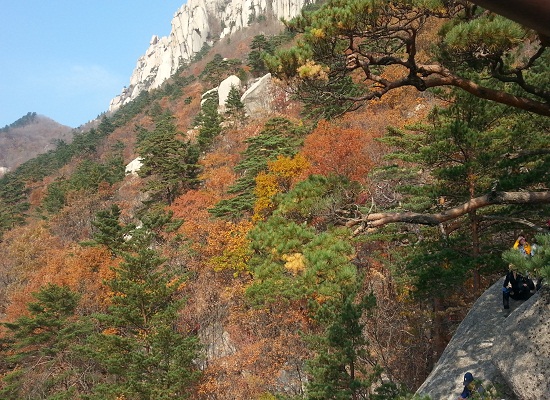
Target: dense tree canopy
[{"x": 358, "y": 38}]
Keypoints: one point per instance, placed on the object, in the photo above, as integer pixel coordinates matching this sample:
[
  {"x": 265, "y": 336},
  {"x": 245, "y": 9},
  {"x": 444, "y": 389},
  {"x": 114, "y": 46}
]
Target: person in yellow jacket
[{"x": 523, "y": 246}]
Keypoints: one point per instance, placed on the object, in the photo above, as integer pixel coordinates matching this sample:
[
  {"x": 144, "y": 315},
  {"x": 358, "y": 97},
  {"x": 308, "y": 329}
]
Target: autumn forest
[{"x": 325, "y": 249}]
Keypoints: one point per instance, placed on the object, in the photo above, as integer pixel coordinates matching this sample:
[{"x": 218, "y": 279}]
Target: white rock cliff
[{"x": 194, "y": 24}]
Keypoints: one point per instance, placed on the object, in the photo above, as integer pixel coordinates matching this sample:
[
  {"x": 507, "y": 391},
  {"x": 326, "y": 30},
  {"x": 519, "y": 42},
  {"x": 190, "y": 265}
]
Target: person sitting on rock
[
  {"x": 516, "y": 286},
  {"x": 523, "y": 246},
  {"x": 470, "y": 387}
]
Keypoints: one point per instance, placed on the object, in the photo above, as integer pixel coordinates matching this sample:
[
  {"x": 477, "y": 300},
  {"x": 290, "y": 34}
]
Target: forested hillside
[
  {"x": 29, "y": 136},
  {"x": 327, "y": 250}
]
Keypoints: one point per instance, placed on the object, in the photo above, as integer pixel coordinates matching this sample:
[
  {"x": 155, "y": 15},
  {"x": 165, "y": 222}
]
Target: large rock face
[
  {"x": 257, "y": 98},
  {"x": 194, "y": 24},
  {"x": 225, "y": 87},
  {"x": 522, "y": 353},
  {"x": 510, "y": 351}
]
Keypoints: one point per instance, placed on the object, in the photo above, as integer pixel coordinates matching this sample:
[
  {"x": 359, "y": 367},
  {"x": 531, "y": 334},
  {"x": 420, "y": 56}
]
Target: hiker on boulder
[
  {"x": 470, "y": 387},
  {"x": 516, "y": 286},
  {"x": 523, "y": 246}
]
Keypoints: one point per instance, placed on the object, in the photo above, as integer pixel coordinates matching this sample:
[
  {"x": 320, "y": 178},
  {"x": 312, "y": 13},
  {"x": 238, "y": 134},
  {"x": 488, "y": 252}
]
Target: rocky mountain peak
[{"x": 195, "y": 24}]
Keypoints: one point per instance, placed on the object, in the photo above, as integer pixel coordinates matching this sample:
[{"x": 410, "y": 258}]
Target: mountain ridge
[
  {"x": 194, "y": 25},
  {"x": 27, "y": 137}
]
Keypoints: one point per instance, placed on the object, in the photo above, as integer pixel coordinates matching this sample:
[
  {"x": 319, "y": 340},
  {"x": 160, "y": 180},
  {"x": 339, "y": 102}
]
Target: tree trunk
[
  {"x": 439, "y": 334},
  {"x": 475, "y": 248}
]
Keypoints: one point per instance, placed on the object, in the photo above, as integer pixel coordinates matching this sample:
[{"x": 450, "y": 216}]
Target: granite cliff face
[{"x": 194, "y": 24}]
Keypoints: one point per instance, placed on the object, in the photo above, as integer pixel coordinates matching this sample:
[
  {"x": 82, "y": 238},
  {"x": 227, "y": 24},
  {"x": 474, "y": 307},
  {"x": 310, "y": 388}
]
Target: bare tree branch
[
  {"x": 482, "y": 92},
  {"x": 379, "y": 219},
  {"x": 435, "y": 75},
  {"x": 527, "y": 153}
]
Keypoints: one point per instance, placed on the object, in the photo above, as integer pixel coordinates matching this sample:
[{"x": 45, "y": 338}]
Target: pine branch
[{"x": 379, "y": 219}]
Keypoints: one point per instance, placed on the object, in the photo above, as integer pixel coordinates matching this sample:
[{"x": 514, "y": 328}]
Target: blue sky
[{"x": 66, "y": 59}]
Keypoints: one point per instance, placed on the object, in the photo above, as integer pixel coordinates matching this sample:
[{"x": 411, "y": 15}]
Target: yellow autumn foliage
[
  {"x": 234, "y": 244},
  {"x": 295, "y": 263},
  {"x": 311, "y": 70},
  {"x": 318, "y": 33},
  {"x": 287, "y": 168},
  {"x": 281, "y": 174}
]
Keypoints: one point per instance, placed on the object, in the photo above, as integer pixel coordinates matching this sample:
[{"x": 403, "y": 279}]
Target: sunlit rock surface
[
  {"x": 194, "y": 24},
  {"x": 509, "y": 350}
]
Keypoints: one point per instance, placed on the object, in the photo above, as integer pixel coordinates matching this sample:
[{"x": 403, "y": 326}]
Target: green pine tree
[
  {"x": 341, "y": 370},
  {"x": 109, "y": 232},
  {"x": 234, "y": 107},
  {"x": 462, "y": 154},
  {"x": 13, "y": 201},
  {"x": 56, "y": 194},
  {"x": 209, "y": 121},
  {"x": 42, "y": 349},
  {"x": 171, "y": 161},
  {"x": 356, "y": 38},
  {"x": 536, "y": 265},
  {"x": 280, "y": 136},
  {"x": 138, "y": 343},
  {"x": 218, "y": 69},
  {"x": 293, "y": 260},
  {"x": 259, "y": 46}
]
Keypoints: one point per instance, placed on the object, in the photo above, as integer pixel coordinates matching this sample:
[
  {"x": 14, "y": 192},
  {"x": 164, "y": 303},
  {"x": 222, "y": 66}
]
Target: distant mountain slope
[{"x": 29, "y": 136}]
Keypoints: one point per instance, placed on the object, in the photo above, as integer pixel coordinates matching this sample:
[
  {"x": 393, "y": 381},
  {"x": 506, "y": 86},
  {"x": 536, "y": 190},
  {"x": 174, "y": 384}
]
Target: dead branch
[{"x": 379, "y": 219}]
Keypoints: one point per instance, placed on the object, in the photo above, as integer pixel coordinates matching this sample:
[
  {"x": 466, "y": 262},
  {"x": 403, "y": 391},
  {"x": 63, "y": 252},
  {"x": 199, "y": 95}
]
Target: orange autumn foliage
[
  {"x": 23, "y": 250},
  {"x": 33, "y": 258},
  {"x": 264, "y": 348},
  {"x": 341, "y": 151},
  {"x": 218, "y": 165},
  {"x": 82, "y": 269},
  {"x": 231, "y": 247},
  {"x": 218, "y": 173},
  {"x": 192, "y": 207}
]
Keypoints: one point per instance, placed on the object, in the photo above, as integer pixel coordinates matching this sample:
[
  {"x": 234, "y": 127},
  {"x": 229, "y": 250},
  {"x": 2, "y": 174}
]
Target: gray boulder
[
  {"x": 508, "y": 350},
  {"x": 522, "y": 353},
  {"x": 258, "y": 98}
]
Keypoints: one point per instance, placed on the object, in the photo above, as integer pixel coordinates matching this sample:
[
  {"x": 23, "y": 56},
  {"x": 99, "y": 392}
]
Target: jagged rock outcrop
[
  {"x": 525, "y": 339},
  {"x": 134, "y": 166},
  {"x": 510, "y": 351},
  {"x": 258, "y": 97},
  {"x": 194, "y": 24}
]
